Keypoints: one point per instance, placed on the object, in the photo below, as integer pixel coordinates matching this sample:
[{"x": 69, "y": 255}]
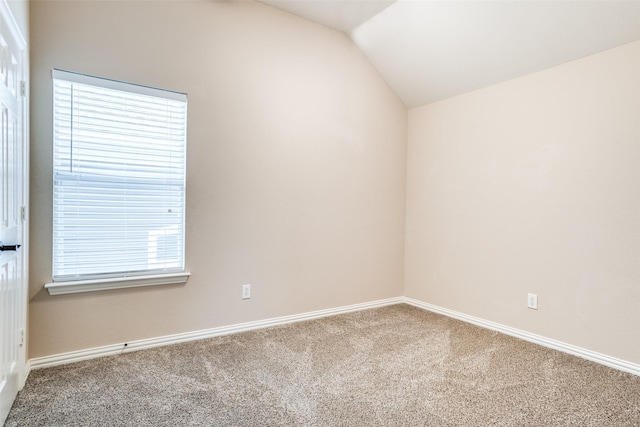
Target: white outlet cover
[
  {"x": 246, "y": 291},
  {"x": 532, "y": 301}
]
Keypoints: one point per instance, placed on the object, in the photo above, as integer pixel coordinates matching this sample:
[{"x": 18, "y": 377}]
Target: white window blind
[{"x": 119, "y": 178}]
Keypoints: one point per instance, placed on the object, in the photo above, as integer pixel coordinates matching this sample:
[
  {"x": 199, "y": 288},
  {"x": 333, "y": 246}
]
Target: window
[{"x": 118, "y": 183}]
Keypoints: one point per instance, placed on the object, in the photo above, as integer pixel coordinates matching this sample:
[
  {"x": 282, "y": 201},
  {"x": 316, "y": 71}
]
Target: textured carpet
[{"x": 392, "y": 366}]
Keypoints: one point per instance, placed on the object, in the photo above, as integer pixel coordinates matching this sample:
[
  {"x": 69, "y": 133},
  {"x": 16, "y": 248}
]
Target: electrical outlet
[
  {"x": 246, "y": 291},
  {"x": 532, "y": 301}
]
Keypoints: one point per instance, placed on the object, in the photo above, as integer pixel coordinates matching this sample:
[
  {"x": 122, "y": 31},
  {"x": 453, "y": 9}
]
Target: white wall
[
  {"x": 296, "y": 165},
  {"x": 533, "y": 185}
]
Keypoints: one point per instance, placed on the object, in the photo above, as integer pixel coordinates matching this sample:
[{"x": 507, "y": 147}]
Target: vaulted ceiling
[{"x": 428, "y": 50}]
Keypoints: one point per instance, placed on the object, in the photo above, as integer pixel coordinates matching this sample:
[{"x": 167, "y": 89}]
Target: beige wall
[
  {"x": 533, "y": 185},
  {"x": 296, "y": 165},
  {"x": 296, "y": 181}
]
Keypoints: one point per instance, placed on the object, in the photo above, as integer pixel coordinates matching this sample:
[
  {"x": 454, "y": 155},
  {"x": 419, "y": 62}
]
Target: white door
[{"x": 13, "y": 200}]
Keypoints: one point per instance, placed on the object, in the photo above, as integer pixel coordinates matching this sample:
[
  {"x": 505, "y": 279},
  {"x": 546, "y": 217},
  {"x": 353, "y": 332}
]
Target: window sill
[{"x": 78, "y": 286}]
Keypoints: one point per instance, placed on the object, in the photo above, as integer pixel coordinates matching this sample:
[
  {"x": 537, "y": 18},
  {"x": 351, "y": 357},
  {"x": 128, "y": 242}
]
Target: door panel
[{"x": 13, "y": 199}]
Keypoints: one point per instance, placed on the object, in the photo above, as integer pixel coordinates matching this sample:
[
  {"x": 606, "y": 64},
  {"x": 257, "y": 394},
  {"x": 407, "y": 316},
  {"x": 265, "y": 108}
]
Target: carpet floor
[{"x": 391, "y": 366}]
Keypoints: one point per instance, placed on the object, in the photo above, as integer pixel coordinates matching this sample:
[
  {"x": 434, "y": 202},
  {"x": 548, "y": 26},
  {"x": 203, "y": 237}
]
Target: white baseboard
[
  {"x": 110, "y": 350},
  {"x": 593, "y": 356}
]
